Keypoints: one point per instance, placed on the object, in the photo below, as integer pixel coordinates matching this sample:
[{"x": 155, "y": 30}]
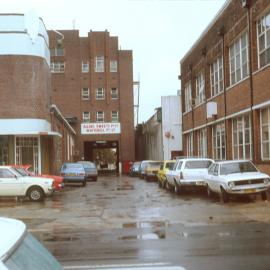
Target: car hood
[
  {"x": 42, "y": 180},
  {"x": 244, "y": 176}
]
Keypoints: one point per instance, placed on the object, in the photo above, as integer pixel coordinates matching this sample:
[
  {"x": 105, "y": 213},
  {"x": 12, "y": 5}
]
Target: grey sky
[{"x": 159, "y": 32}]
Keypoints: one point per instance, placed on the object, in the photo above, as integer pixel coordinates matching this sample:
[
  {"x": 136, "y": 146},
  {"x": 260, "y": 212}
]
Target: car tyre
[
  {"x": 84, "y": 183},
  {"x": 224, "y": 195},
  {"x": 36, "y": 194},
  {"x": 264, "y": 195},
  {"x": 95, "y": 179},
  {"x": 176, "y": 189},
  {"x": 159, "y": 184},
  {"x": 210, "y": 193}
]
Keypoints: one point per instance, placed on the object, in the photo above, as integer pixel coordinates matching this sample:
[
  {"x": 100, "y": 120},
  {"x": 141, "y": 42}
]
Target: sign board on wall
[{"x": 100, "y": 128}]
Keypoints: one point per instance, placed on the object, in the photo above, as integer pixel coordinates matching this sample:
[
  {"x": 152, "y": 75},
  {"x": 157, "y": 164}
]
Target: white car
[
  {"x": 236, "y": 177},
  {"x": 188, "y": 172},
  {"x": 19, "y": 250},
  {"x": 12, "y": 183}
]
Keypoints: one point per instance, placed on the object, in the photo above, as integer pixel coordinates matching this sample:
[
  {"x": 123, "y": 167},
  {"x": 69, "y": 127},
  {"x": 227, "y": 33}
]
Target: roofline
[{"x": 214, "y": 20}]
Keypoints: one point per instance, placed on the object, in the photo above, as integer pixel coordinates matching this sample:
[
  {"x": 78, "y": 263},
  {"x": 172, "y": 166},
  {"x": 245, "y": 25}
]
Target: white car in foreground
[
  {"x": 12, "y": 183},
  {"x": 236, "y": 177}
]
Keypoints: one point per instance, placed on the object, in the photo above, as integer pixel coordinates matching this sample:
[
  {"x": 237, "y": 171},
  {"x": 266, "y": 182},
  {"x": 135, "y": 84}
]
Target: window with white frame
[
  {"x": 202, "y": 143},
  {"x": 113, "y": 66},
  {"x": 85, "y": 67},
  {"x": 57, "y": 51},
  {"x": 100, "y": 94},
  {"x": 85, "y": 94},
  {"x": 57, "y": 67},
  {"x": 219, "y": 142},
  {"x": 263, "y": 31},
  {"x": 86, "y": 117},
  {"x": 241, "y": 137},
  {"x": 99, "y": 67},
  {"x": 200, "y": 90},
  {"x": 188, "y": 97},
  {"x": 265, "y": 134},
  {"x": 114, "y": 93},
  {"x": 100, "y": 116},
  {"x": 239, "y": 59},
  {"x": 189, "y": 146},
  {"x": 115, "y": 116},
  {"x": 216, "y": 76}
]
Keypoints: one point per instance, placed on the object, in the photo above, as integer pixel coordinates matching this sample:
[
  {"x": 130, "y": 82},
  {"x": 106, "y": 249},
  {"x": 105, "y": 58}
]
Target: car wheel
[
  {"x": 224, "y": 195},
  {"x": 209, "y": 192},
  {"x": 264, "y": 195},
  {"x": 159, "y": 184},
  {"x": 84, "y": 183},
  {"x": 95, "y": 179},
  {"x": 176, "y": 189},
  {"x": 36, "y": 194}
]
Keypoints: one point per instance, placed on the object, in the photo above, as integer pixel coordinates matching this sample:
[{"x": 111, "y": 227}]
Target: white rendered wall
[{"x": 171, "y": 124}]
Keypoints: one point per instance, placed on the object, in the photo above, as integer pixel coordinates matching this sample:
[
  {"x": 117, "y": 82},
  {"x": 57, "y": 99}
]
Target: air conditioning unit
[{"x": 244, "y": 3}]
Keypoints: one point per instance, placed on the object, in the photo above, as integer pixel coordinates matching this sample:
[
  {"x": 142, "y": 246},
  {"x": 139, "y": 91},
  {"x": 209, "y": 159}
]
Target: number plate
[
  {"x": 71, "y": 174},
  {"x": 200, "y": 183},
  {"x": 249, "y": 190}
]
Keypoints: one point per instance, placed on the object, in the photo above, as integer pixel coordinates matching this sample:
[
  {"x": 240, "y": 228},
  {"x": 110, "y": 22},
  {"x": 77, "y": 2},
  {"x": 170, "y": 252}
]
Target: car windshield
[
  {"x": 152, "y": 164},
  {"x": 21, "y": 171},
  {"x": 198, "y": 164},
  {"x": 31, "y": 255},
  {"x": 72, "y": 166},
  {"x": 169, "y": 165},
  {"x": 237, "y": 167}
]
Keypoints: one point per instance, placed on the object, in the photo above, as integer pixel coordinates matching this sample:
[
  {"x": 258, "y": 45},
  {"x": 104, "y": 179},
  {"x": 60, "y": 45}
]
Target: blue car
[
  {"x": 73, "y": 173},
  {"x": 90, "y": 170}
]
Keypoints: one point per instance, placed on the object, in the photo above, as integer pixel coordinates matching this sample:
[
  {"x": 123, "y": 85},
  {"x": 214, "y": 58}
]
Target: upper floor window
[
  {"x": 57, "y": 51},
  {"x": 100, "y": 94},
  {"x": 216, "y": 76},
  {"x": 263, "y": 29},
  {"x": 188, "y": 97},
  {"x": 85, "y": 93},
  {"x": 200, "y": 90},
  {"x": 113, "y": 66},
  {"x": 114, "y": 93},
  {"x": 99, "y": 67},
  {"x": 219, "y": 143},
  {"x": 86, "y": 117},
  {"x": 100, "y": 116},
  {"x": 115, "y": 116},
  {"x": 85, "y": 67},
  {"x": 239, "y": 59},
  {"x": 57, "y": 67}
]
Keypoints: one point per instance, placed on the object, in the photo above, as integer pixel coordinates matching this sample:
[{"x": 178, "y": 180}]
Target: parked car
[
  {"x": 142, "y": 168},
  {"x": 73, "y": 173},
  {"x": 12, "y": 183},
  {"x": 188, "y": 172},
  {"x": 164, "y": 168},
  {"x": 25, "y": 170},
  {"x": 90, "y": 168},
  {"x": 151, "y": 169},
  {"x": 236, "y": 177},
  {"x": 20, "y": 250},
  {"x": 134, "y": 169}
]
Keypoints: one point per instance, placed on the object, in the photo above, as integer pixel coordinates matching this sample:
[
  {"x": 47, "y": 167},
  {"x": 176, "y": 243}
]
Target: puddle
[
  {"x": 59, "y": 238},
  {"x": 145, "y": 236},
  {"x": 145, "y": 224}
]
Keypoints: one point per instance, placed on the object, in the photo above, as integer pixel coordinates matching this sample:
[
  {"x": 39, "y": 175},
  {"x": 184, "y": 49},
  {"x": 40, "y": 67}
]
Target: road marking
[{"x": 142, "y": 266}]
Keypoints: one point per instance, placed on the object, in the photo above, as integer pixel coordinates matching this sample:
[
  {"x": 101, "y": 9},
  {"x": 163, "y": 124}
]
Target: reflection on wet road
[{"x": 129, "y": 222}]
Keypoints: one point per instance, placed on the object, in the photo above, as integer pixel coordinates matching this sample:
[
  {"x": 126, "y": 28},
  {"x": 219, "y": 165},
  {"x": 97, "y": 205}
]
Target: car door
[
  {"x": 216, "y": 179},
  {"x": 10, "y": 184}
]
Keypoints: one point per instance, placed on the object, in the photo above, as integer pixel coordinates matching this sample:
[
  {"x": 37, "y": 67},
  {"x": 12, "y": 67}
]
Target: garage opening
[{"x": 105, "y": 154}]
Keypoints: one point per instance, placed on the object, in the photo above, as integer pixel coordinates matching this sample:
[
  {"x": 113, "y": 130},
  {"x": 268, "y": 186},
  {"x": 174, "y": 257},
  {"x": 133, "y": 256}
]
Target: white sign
[{"x": 100, "y": 128}]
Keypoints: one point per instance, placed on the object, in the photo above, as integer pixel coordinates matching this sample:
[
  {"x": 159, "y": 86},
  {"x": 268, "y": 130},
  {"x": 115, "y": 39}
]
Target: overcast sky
[{"x": 160, "y": 32}]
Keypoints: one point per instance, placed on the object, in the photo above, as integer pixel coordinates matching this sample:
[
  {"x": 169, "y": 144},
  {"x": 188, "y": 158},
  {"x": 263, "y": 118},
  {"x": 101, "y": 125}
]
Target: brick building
[
  {"x": 92, "y": 84},
  {"x": 32, "y": 130},
  {"x": 225, "y": 79}
]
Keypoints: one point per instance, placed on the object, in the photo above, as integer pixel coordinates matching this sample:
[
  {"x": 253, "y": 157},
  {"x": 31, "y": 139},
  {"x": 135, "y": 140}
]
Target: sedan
[
  {"x": 74, "y": 173},
  {"x": 236, "y": 177}
]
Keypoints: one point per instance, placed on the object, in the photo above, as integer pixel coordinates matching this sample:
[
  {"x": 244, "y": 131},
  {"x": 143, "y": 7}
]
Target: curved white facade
[{"x": 23, "y": 35}]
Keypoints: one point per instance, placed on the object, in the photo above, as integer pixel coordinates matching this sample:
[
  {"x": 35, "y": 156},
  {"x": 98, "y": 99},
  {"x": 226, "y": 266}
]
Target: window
[
  {"x": 99, "y": 64},
  {"x": 85, "y": 67},
  {"x": 198, "y": 164},
  {"x": 86, "y": 117},
  {"x": 5, "y": 173},
  {"x": 218, "y": 144},
  {"x": 216, "y": 77},
  {"x": 113, "y": 66},
  {"x": 57, "y": 51},
  {"x": 115, "y": 116},
  {"x": 100, "y": 94},
  {"x": 114, "y": 93},
  {"x": 189, "y": 144},
  {"x": 265, "y": 131},
  {"x": 241, "y": 137},
  {"x": 3, "y": 150},
  {"x": 85, "y": 93},
  {"x": 200, "y": 92},
  {"x": 188, "y": 97},
  {"x": 57, "y": 67},
  {"x": 202, "y": 143},
  {"x": 239, "y": 59},
  {"x": 100, "y": 117},
  {"x": 263, "y": 31}
]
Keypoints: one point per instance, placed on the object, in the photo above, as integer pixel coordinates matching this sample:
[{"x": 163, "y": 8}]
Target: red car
[{"x": 58, "y": 182}]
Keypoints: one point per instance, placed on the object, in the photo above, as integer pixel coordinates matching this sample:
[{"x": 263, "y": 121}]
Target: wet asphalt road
[{"x": 123, "y": 222}]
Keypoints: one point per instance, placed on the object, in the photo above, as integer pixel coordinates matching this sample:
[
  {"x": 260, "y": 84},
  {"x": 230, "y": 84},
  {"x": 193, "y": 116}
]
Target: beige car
[{"x": 151, "y": 171}]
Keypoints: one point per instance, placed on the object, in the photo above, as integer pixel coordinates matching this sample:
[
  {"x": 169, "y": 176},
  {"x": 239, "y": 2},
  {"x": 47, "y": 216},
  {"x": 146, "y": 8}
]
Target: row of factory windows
[
  {"x": 100, "y": 117},
  {"x": 100, "y": 93}
]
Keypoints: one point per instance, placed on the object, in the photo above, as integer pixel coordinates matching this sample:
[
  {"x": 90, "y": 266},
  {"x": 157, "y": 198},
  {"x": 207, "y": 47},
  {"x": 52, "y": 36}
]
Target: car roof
[
  {"x": 11, "y": 232},
  {"x": 194, "y": 159},
  {"x": 5, "y": 167},
  {"x": 231, "y": 161}
]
